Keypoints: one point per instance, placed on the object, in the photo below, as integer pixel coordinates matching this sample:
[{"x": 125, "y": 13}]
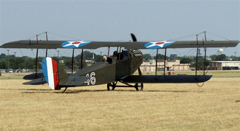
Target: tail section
[{"x": 50, "y": 73}]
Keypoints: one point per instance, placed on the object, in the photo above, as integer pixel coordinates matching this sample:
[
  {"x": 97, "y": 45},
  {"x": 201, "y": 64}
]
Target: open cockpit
[{"x": 123, "y": 55}]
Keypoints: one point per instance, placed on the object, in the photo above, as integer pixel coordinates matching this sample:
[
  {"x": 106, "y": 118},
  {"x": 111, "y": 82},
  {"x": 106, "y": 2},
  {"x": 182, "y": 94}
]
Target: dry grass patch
[{"x": 158, "y": 107}]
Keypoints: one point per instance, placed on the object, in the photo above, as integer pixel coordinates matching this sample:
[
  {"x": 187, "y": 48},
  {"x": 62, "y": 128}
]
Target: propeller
[{"x": 133, "y": 37}]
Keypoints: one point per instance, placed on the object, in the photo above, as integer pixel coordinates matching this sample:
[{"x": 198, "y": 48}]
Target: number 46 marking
[{"x": 92, "y": 79}]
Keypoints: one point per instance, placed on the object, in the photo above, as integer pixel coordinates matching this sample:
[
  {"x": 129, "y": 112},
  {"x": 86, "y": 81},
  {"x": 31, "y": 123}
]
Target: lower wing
[{"x": 165, "y": 79}]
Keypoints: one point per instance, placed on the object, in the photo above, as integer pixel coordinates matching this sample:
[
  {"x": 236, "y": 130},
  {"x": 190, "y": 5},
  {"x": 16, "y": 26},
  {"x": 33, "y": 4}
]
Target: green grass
[
  {"x": 159, "y": 107},
  {"x": 12, "y": 76}
]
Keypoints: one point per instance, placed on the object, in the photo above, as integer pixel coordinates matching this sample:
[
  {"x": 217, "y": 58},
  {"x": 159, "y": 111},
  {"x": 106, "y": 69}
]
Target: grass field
[{"x": 215, "y": 106}]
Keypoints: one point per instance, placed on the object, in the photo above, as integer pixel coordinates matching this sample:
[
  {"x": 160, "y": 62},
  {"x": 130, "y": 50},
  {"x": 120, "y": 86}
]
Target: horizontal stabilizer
[
  {"x": 33, "y": 76},
  {"x": 38, "y": 81},
  {"x": 165, "y": 79},
  {"x": 76, "y": 80}
]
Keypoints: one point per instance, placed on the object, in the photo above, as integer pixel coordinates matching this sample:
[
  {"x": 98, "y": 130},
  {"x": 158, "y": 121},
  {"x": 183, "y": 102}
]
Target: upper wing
[{"x": 128, "y": 45}]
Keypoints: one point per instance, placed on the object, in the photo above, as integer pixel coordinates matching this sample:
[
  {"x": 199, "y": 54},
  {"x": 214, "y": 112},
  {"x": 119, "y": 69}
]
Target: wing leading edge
[{"x": 128, "y": 45}]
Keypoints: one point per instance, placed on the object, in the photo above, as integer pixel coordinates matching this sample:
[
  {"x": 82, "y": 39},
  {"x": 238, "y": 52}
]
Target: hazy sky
[{"x": 114, "y": 20}]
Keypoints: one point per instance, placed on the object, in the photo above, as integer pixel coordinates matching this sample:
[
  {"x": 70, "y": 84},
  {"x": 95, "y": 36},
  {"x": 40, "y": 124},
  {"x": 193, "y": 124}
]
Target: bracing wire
[
  {"x": 33, "y": 52},
  {"x": 62, "y": 35},
  {"x": 183, "y": 37},
  {"x": 21, "y": 51},
  {"x": 218, "y": 35},
  {"x": 36, "y": 35},
  {"x": 186, "y": 36}
]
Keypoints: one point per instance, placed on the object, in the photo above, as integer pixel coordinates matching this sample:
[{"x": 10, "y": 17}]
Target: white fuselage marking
[{"x": 50, "y": 73}]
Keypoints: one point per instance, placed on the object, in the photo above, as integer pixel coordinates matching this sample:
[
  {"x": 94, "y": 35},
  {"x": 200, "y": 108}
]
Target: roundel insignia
[
  {"x": 74, "y": 44},
  {"x": 157, "y": 45}
]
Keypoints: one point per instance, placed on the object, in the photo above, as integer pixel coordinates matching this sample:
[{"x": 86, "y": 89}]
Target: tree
[
  {"x": 17, "y": 63},
  {"x": 62, "y": 66},
  {"x": 236, "y": 58},
  {"x": 3, "y": 56},
  {"x": 147, "y": 57},
  {"x": 87, "y": 55},
  {"x": 68, "y": 62},
  {"x": 160, "y": 57},
  {"x": 200, "y": 63},
  {"x": 3, "y": 64},
  {"x": 28, "y": 63},
  {"x": 185, "y": 60},
  {"x": 221, "y": 57},
  {"x": 98, "y": 58}
]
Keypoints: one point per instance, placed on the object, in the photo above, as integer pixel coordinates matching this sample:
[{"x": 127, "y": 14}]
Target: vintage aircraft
[{"x": 116, "y": 68}]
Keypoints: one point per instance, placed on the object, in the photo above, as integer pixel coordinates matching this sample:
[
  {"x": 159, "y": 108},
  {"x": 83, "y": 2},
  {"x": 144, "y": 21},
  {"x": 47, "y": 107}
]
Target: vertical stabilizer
[{"x": 50, "y": 72}]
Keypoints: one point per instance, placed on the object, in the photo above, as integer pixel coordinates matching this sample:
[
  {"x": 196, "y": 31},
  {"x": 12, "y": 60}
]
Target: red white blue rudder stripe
[{"x": 50, "y": 72}]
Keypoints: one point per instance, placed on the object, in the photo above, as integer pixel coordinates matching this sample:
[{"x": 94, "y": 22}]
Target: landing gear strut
[
  {"x": 114, "y": 85},
  {"x": 136, "y": 87}
]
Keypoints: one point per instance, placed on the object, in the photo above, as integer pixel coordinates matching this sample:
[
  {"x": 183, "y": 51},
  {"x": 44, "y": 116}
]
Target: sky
[{"x": 114, "y": 20}]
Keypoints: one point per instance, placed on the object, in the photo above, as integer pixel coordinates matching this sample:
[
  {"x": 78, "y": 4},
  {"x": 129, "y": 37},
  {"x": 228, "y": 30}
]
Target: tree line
[
  {"x": 25, "y": 62},
  {"x": 13, "y": 62},
  {"x": 192, "y": 59}
]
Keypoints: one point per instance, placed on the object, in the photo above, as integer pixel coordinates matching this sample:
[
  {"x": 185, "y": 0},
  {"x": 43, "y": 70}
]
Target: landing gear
[
  {"x": 141, "y": 86},
  {"x": 108, "y": 86},
  {"x": 136, "y": 87},
  {"x": 114, "y": 85}
]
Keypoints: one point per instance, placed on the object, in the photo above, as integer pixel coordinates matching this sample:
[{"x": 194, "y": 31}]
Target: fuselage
[{"x": 112, "y": 69}]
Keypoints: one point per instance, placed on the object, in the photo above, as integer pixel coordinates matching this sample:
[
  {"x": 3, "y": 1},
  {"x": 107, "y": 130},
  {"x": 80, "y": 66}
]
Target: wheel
[
  {"x": 113, "y": 86},
  {"x": 136, "y": 87},
  {"x": 141, "y": 86},
  {"x": 108, "y": 85}
]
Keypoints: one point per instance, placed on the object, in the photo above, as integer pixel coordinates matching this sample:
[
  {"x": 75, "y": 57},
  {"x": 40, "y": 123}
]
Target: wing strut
[
  {"x": 205, "y": 52},
  {"x": 36, "y": 62},
  {"x": 82, "y": 60},
  {"x": 156, "y": 65},
  {"x": 108, "y": 50},
  {"x": 196, "y": 64},
  {"x": 165, "y": 57},
  {"x": 72, "y": 59},
  {"x": 119, "y": 54},
  {"x": 46, "y": 40}
]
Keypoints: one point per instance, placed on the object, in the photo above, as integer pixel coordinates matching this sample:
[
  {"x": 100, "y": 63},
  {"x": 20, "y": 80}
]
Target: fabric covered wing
[
  {"x": 165, "y": 79},
  {"x": 33, "y": 44},
  {"x": 128, "y": 45}
]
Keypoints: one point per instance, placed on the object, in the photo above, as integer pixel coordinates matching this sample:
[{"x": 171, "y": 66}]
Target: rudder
[{"x": 50, "y": 72}]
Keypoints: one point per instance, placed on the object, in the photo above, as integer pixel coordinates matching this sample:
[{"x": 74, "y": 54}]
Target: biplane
[{"x": 118, "y": 67}]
